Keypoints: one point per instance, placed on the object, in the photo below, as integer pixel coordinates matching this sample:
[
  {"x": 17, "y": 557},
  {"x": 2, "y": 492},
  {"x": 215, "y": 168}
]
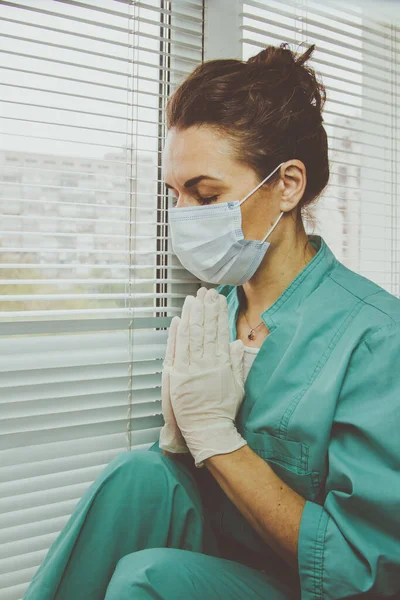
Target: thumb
[
  {"x": 171, "y": 342},
  {"x": 236, "y": 350}
]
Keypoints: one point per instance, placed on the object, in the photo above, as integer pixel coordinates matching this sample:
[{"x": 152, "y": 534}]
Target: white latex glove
[
  {"x": 206, "y": 378},
  {"x": 171, "y": 438}
]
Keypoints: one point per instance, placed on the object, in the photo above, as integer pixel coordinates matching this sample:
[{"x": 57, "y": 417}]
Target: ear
[{"x": 292, "y": 184}]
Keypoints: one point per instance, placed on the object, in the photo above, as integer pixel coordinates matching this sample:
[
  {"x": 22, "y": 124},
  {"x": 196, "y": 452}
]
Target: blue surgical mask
[{"x": 209, "y": 241}]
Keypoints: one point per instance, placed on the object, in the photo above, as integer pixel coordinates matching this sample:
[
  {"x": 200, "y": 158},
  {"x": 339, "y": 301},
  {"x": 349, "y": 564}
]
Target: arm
[
  {"x": 270, "y": 506},
  {"x": 351, "y": 545}
]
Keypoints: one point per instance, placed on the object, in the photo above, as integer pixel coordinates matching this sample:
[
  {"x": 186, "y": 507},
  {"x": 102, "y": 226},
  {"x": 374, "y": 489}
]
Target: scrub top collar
[{"x": 309, "y": 278}]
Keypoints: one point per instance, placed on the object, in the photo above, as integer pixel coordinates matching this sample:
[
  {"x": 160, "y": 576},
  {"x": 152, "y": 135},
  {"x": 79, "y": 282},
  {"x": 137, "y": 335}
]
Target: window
[
  {"x": 357, "y": 54},
  {"x": 83, "y": 311},
  {"x": 84, "y": 305}
]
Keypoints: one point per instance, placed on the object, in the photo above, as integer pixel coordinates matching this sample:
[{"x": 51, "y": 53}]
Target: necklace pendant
[{"x": 251, "y": 335}]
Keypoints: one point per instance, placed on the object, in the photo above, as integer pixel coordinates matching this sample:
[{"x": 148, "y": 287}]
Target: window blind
[
  {"x": 88, "y": 284},
  {"x": 357, "y": 57}
]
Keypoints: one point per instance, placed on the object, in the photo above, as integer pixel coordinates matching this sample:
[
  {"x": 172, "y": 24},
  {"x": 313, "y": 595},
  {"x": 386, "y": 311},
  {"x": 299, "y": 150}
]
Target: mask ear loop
[
  {"x": 260, "y": 184},
  {"x": 273, "y": 227},
  {"x": 255, "y": 189}
]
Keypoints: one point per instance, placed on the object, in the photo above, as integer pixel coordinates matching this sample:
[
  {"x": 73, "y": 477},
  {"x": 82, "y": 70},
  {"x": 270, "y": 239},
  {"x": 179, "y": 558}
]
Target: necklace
[{"x": 251, "y": 335}]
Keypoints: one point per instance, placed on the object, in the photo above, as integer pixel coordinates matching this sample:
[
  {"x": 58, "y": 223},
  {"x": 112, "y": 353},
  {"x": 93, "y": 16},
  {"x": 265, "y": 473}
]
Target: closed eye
[{"x": 201, "y": 199}]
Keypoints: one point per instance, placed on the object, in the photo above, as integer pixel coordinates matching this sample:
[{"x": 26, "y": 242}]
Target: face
[{"x": 199, "y": 168}]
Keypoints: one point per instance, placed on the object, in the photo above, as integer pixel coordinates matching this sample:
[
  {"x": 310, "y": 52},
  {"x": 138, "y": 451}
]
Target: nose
[{"x": 184, "y": 201}]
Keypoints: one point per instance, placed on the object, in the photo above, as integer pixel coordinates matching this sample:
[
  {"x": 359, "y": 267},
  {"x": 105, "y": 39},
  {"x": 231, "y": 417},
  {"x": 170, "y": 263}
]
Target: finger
[
  {"x": 196, "y": 331},
  {"x": 171, "y": 341},
  {"x": 236, "y": 350},
  {"x": 182, "y": 336},
  {"x": 170, "y": 435},
  {"x": 223, "y": 328},
  {"x": 201, "y": 292},
  {"x": 186, "y": 308},
  {"x": 211, "y": 309}
]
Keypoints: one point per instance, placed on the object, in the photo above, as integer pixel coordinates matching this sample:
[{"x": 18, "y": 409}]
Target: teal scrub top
[{"x": 322, "y": 406}]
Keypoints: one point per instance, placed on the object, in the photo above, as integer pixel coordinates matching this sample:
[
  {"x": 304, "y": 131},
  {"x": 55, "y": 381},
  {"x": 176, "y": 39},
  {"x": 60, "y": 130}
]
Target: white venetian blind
[
  {"x": 358, "y": 57},
  {"x": 87, "y": 284}
]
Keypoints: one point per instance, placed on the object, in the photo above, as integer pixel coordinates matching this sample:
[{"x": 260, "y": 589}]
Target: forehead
[{"x": 188, "y": 152}]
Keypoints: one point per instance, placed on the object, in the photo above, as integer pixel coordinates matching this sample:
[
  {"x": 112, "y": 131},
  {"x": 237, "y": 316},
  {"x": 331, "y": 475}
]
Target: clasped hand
[{"x": 202, "y": 380}]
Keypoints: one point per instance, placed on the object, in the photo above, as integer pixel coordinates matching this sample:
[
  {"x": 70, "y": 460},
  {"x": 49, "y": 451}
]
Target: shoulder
[
  {"x": 379, "y": 307},
  {"x": 374, "y": 362}
]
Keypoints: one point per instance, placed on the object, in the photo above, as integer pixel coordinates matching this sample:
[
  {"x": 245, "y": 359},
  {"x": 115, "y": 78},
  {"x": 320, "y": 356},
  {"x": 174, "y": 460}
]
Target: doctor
[
  {"x": 311, "y": 458},
  {"x": 277, "y": 472}
]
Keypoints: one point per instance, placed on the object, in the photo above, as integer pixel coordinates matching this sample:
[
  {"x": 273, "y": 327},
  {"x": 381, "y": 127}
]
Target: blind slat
[
  {"x": 289, "y": 32},
  {"x": 361, "y": 21},
  {"x": 103, "y": 40},
  {"x": 70, "y": 313},
  {"x": 93, "y": 53},
  {"x": 76, "y": 431},
  {"x": 97, "y": 9},
  {"x": 96, "y": 68}
]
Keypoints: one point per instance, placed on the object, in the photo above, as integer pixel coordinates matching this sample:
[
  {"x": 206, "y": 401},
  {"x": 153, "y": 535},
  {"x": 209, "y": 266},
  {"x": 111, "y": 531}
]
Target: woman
[{"x": 298, "y": 494}]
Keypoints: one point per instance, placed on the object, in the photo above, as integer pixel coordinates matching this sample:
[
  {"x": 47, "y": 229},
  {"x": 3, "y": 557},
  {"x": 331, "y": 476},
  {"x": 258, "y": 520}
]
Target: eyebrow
[{"x": 193, "y": 181}]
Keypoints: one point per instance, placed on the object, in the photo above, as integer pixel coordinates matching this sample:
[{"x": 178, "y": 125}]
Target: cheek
[
  {"x": 185, "y": 201},
  {"x": 254, "y": 220}
]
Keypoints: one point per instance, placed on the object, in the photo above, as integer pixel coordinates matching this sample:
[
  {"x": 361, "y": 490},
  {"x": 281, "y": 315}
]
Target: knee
[
  {"x": 148, "y": 472},
  {"x": 152, "y": 464},
  {"x": 159, "y": 560},
  {"x": 135, "y": 457},
  {"x": 134, "y": 463},
  {"x": 160, "y": 564},
  {"x": 141, "y": 573}
]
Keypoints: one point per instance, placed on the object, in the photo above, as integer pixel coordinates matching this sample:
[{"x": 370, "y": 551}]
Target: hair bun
[
  {"x": 277, "y": 57},
  {"x": 291, "y": 69}
]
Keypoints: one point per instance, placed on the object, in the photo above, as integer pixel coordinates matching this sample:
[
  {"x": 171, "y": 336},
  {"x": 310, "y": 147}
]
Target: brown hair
[{"x": 269, "y": 107}]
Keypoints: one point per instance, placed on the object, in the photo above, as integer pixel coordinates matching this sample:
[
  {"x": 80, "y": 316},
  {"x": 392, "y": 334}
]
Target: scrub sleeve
[{"x": 142, "y": 531}]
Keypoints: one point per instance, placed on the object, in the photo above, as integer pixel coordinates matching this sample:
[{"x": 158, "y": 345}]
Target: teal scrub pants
[{"x": 147, "y": 528}]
